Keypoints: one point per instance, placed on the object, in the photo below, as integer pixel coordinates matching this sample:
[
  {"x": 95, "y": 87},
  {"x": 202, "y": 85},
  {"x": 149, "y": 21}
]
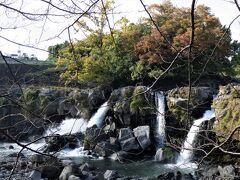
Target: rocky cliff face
[
  {"x": 28, "y": 113},
  {"x": 227, "y": 110},
  {"x": 177, "y": 101},
  {"x": 132, "y": 106}
]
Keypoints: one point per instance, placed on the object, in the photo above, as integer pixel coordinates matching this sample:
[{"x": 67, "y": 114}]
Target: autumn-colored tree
[{"x": 158, "y": 49}]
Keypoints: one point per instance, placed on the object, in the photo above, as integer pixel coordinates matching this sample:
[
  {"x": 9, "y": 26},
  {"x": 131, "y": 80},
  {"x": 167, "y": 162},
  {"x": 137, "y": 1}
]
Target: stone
[
  {"x": 125, "y": 133},
  {"x": 211, "y": 172},
  {"x": 227, "y": 171},
  {"x": 166, "y": 176},
  {"x": 35, "y": 175},
  {"x": 67, "y": 171},
  {"x": 11, "y": 147},
  {"x": 54, "y": 143},
  {"x": 129, "y": 144},
  {"x": 177, "y": 102},
  {"x": 142, "y": 133},
  {"x": 73, "y": 177},
  {"x": 86, "y": 167},
  {"x": 120, "y": 156},
  {"x": 113, "y": 140},
  {"x": 94, "y": 135},
  {"x": 227, "y": 105},
  {"x": 111, "y": 175},
  {"x": 105, "y": 149},
  {"x": 49, "y": 166}
]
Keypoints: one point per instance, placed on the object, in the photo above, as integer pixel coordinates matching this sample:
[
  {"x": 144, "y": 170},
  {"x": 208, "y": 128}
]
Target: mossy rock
[
  {"x": 227, "y": 106},
  {"x": 142, "y": 101},
  {"x": 177, "y": 101}
]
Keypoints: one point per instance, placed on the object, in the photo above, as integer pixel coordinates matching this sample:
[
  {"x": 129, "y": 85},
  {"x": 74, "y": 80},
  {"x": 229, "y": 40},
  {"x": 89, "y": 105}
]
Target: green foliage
[
  {"x": 142, "y": 101},
  {"x": 54, "y": 51},
  {"x": 31, "y": 100},
  {"x": 228, "y": 110},
  {"x": 138, "y": 51}
]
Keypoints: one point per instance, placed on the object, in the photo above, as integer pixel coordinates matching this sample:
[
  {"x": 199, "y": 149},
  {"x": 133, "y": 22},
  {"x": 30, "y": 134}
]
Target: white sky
[{"x": 32, "y": 33}]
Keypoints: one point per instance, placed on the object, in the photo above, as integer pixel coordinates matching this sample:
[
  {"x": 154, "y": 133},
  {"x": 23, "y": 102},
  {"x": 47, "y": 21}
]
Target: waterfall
[
  {"x": 160, "y": 128},
  {"x": 69, "y": 126},
  {"x": 187, "y": 149},
  {"x": 99, "y": 116}
]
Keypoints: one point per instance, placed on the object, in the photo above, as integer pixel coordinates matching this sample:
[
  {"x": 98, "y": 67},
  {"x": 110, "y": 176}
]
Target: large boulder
[
  {"x": 105, "y": 149},
  {"x": 127, "y": 141},
  {"x": 94, "y": 135},
  {"x": 227, "y": 106},
  {"x": 58, "y": 142},
  {"x": 48, "y": 166},
  {"x": 142, "y": 133},
  {"x": 125, "y": 133},
  {"x": 69, "y": 171},
  {"x": 177, "y": 101}
]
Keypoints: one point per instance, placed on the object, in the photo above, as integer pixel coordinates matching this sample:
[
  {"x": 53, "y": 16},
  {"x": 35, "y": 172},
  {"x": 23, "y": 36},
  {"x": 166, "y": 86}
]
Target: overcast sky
[{"x": 32, "y": 32}]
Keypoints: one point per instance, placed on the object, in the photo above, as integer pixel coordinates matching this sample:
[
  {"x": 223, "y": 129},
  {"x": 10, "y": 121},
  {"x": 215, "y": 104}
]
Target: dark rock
[
  {"x": 166, "y": 176},
  {"x": 129, "y": 144},
  {"x": 177, "y": 102},
  {"x": 58, "y": 142},
  {"x": 111, "y": 175},
  {"x": 93, "y": 136},
  {"x": 49, "y": 166},
  {"x": 16, "y": 155},
  {"x": 105, "y": 149},
  {"x": 11, "y": 147},
  {"x": 188, "y": 176},
  {"x": 132, "y": 106},
  {"x": 178, "y": 175},
  {"x": 125, "y": 133},
  {"x": 54, "y": 143}
]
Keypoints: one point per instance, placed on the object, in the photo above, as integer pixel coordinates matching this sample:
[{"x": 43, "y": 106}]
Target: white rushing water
[
  {"x": 99, "y": 116},
  {"x": 160, "y": 128},
  {"x": 187, "y": 149},
  {"x": 68, "y": 126}
]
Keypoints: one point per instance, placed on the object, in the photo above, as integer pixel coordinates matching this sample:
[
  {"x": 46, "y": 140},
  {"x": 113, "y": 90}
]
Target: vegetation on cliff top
[{"x": 138, "y": 51}]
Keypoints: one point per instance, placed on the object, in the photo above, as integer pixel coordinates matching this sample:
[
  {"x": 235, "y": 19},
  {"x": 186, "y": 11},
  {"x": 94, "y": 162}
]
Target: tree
[
  {"x": 158, "y": 49},
  {"x": 103, "y": 57},
  {"x": 54, "y": 51}
]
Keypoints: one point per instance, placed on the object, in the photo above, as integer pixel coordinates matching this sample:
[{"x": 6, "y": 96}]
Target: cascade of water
[
  {"x": 99, "y": 116},
  {"x": 160, "y": 129},
  {"x": 69, "y": 126},
  {"x": 187, "y": 149}
]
